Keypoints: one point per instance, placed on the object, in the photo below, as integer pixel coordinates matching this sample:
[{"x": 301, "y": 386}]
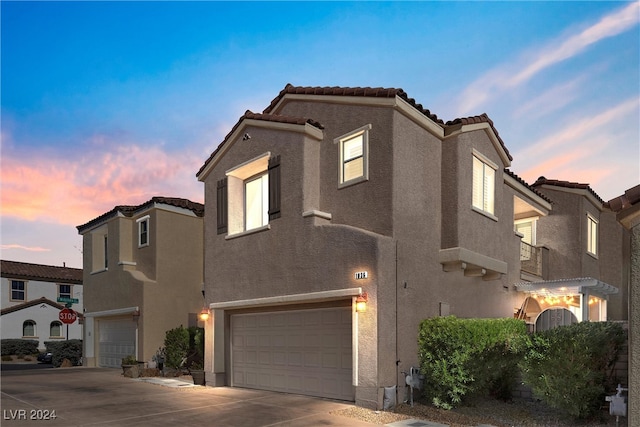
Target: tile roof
[
  {"x": 249, "y": 115},
  {"x": 629, "y": 198},
  {"x": 482, "y": 118},
  {"x": 373, "y": 92},
  {"x": 523, "y": 182},
  {"x": 130, "y": 210},
  {"x": 566, "y": 184},
  {"x": 32, "y": 303},
  {"x": 45, "y": 273}
]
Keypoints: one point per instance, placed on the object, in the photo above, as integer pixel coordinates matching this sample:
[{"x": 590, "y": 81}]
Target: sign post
[{"x": 67, "y": 316}]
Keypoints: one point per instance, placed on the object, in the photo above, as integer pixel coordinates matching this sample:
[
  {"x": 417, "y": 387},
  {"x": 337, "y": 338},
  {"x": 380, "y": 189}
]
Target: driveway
[{"x": 103, "y": 397}]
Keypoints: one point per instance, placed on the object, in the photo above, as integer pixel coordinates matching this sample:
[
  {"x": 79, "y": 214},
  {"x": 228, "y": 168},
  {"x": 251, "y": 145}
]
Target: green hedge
[
  {"x": 571, "y": 367},
  {"x": 176, "y": 343},
  {"x": 19, "y": 347},
  {"x": 68, "y": 349},
  {"x": 463, "y": 356}
]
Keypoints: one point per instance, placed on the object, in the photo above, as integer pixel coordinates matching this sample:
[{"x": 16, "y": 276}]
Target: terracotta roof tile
[
  {"x": 35, "y": 302},
  {"x": 566, "y": 184},
  {"x": 482, "y": 118},
  {"x": 130, "y": 210},
  {"x": 373, "y": 92},
  {"x": 45, "y": 273},
  {"x": 523, "y": 182},
  {"x": 249, "y": 115},
  {"x": 628, "y": 199}
]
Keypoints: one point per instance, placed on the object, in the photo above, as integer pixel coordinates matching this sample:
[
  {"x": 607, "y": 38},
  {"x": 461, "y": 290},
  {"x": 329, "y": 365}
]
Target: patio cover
[{"x": 561, "y": 287}]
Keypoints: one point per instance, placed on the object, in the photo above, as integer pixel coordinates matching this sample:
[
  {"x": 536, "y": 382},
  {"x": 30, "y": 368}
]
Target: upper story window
[
  {"x": 592, "y": 235},
  {"x": 99, "y": 249},
  {"x": 484, "y": 184},
  {"x": 249, "y": 197},
  {"x": 143, "y": 231},
  {"x": 64, "y": 291},
  {"x": 18, "y": 290},
  {"x": 354, "y": 156}
]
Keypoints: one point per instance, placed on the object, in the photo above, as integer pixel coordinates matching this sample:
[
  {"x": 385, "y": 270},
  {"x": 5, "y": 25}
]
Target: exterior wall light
[
  {"x": 361, "y": 302},
  {"x": 204, "y": 314}
]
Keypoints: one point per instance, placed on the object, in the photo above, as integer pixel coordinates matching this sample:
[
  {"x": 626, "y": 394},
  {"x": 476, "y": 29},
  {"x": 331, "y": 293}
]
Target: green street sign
[{"x": 69, "y": 300}]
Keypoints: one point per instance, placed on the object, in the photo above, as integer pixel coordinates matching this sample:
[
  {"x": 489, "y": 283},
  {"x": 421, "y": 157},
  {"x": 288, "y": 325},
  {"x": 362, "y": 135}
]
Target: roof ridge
[{"x": 567, "y": 184}]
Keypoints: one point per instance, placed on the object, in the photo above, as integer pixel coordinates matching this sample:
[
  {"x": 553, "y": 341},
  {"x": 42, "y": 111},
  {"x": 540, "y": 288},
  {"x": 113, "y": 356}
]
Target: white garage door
[
  {"x": 117, "y": 339},
  {"x": 302, "y": 351}
]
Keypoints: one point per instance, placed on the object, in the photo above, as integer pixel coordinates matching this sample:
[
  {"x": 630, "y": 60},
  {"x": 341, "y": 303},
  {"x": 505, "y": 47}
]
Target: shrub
[
  {"x": 176, "y": 343},
  {"x": 463, "y": 356},
  {"x": 18, "y": 347},
  {"x": 196, "y": 347},
  {"x": 571, "y": 367},
  {"x": 69, "y": 349}
]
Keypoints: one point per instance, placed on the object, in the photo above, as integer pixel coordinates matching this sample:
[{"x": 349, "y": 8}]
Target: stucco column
[{"x": 634, "y": 329}]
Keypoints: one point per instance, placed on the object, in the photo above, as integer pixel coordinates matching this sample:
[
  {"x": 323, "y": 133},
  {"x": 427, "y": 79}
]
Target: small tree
[{"x": 176, "y": 343}]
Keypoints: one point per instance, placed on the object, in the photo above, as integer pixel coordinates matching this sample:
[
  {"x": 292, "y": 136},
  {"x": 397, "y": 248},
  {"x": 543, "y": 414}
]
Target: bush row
[
  {"x": 19, "y": 347},
  {"x": 569, "y": 367},
  {"x": 60, "y": 350}
]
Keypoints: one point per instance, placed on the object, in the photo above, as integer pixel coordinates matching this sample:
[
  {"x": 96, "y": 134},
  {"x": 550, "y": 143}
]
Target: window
[
  {"x": 483, "y": 185},
  {"x": 18, "y": 290},
  {"x": 354, "y": 156},
  {"x": 29, "y": 328},
  {"x": 143, "y": 231},
  {"x": 99, "y": 249},
  {"x": 55, "y": 329},
  {"x": 105, "y": 252},
  {"x": 249, "y": 197},
  {"x": 592, "y": 235},
  {"x": 64, "y": 291}
]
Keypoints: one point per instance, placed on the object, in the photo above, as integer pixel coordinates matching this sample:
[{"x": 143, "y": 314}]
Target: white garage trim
[
  {"x": 114, "y": 312},
  {"x": 288, "y": 299}
]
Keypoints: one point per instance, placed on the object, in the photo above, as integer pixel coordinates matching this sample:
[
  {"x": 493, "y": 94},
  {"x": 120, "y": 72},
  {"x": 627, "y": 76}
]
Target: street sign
[
  {"x": 67, "y": 316},
  {"x": 68, "y": 300}
]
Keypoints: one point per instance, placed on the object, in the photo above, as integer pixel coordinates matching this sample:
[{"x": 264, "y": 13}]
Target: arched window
[
  {"x": 55, "y": 329},
  {"x": 29, "y": 328}
]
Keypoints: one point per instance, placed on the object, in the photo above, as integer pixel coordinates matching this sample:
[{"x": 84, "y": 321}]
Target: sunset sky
[{"x": 112, "y": 103}]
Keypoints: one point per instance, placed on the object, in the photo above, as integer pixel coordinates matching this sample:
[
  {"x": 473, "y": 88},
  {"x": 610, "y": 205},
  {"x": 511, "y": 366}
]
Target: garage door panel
[
  {"x": 306, "y": 351},
  {"x": 117, "y": 339}
]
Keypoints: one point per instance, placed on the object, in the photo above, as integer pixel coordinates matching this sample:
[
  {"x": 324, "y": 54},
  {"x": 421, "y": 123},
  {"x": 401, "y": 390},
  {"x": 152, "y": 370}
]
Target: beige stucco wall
[{"x": 164, "y": 279}]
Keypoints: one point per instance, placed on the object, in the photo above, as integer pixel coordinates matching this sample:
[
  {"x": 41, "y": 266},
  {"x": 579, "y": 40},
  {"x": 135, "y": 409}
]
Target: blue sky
[{"x": 109, "y": 103}]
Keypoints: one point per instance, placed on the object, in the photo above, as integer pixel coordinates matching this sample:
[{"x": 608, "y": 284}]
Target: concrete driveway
[{"x": 103, "y": 397}]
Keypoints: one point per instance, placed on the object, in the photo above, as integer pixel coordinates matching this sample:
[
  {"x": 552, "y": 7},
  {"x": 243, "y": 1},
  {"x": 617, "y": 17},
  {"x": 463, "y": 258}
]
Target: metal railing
[{"x": 530, "y": 259}]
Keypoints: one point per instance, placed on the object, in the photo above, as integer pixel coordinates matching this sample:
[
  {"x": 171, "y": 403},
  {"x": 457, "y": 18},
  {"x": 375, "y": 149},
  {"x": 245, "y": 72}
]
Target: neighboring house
[
  {"x": 339, "y": 218},
  {"x": 30, "y": 306},
  {"x": 142, "y": 275},
  {"x": 627, "y": 210}
]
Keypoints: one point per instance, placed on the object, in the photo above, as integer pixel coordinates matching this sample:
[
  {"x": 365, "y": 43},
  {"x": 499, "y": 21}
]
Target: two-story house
[
  {"x": 339, "y": 218},
  {"x": 30, "y": 301},
  {"x": 143, "y": 275}
]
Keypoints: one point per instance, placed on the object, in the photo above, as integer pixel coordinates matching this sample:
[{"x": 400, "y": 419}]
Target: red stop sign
[{"x": 67, "y": 316}]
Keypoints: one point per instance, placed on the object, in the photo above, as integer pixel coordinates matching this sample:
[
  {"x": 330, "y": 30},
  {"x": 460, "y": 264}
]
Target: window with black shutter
[
  {"x": 274, "y": 187},
  {"x": 221, "y": 202}
]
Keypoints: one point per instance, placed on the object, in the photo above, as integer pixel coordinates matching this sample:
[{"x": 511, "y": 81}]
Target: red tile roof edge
[
  {"x": 46, "y": 273},
  {"x": 482, "y": 118},
  {"x": 129, "y": 210},
  {"x": 630, "y": 198},
  {"x": 523, "y": 182},
  {"x": 249, "y": 115},
  {"x": 567, "y": 184},
  {"x": 42, "y": 300}
]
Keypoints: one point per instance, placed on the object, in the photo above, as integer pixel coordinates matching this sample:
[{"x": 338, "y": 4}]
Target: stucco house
[
  {"x": 339, "y": 218},
  {"x": 30, "y": 307},
  {"x": 143, "y": 275}
]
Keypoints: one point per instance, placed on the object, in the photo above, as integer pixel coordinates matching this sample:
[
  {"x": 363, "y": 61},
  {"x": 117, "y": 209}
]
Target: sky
[{"x": 112, "y": 103}]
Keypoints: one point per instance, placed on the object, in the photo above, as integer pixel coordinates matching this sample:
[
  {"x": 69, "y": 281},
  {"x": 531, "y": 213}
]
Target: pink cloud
[
  {"x": 73, "y": 190},
  {"x": 24, "y": 248}
]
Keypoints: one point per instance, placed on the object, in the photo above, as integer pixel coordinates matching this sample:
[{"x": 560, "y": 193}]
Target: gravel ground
[{"x": 519, "y": 412}]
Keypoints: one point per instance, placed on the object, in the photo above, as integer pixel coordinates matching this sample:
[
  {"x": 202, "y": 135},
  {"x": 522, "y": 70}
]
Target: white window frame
[
  {"x": 259, "y": 218},
  {"x": 237, "y": 178},
  {"x": 341, "y": 141},
  {"x": 483, "y": 192},
  {"x": 24, "y": 290},
  {"x": 99, "y": 249},
  {"x": 592, "y": 235},
  {"x": 57, "y": 324},
  {"x": 143, "y": 222},
  {"x": 35, "y": 330}
]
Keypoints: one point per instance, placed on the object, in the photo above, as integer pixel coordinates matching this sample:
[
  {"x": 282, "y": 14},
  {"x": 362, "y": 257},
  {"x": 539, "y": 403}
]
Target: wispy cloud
[
  {"x": 509, "y": 75},
  {"x": 50, "y": 187},
  {"x": 24, "y": 248}
]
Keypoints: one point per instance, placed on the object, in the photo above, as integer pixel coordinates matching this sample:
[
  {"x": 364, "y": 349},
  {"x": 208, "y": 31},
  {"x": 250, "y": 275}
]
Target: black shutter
[
  {"x": 274, "y": 187},
  {"x": 221, "y": 202}
]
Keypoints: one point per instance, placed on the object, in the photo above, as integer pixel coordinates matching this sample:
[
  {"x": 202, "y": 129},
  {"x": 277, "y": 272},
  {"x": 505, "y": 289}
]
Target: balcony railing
[{"x": 531, "y": 259}]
